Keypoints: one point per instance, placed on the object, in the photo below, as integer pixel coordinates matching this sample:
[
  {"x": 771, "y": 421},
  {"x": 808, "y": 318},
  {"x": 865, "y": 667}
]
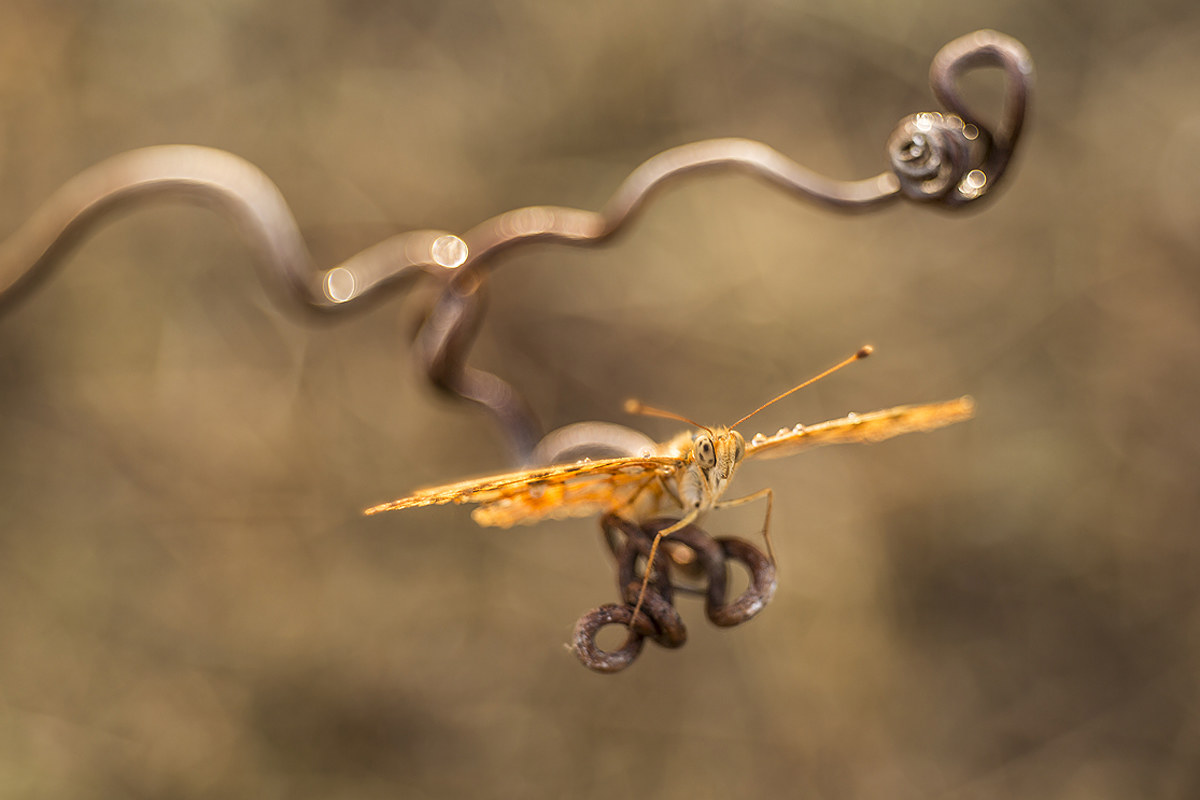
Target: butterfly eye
[
  {"x": 739, "y": 447},
  {"x": 706, "y": 456}
]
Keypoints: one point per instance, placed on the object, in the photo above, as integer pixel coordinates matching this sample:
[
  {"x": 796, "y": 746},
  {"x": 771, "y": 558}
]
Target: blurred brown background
[{"x": 191, "y": 605}]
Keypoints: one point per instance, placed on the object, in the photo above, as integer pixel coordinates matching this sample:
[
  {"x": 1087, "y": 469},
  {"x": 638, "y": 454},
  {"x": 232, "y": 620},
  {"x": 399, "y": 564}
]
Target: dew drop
[
  {"x": 781, "y": 432},
  {"x": 798, "y": 429},
  {"x": 448, "y": 251},
  {"x": 758, "y": 439},
  {"x": 339, "y": 285},
  {"x": 852, "y": 417}
]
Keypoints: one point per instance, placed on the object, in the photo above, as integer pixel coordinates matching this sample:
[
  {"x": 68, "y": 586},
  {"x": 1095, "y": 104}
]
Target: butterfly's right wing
[
  {"x": 873, "y": 427},
  {"x": 554, "y": 492}
]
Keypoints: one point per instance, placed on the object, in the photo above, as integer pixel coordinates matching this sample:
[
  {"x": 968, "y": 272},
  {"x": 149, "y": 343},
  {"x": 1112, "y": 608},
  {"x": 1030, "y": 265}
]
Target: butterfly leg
[
  {"x": 750, "y": 498},
  {"x": 664, "y": 533}
]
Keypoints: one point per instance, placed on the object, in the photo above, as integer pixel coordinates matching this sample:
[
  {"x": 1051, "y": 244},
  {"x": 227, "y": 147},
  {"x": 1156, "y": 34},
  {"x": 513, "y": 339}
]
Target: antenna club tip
[
  {"x": 864, "y": 351},
  {"x": 632, "y": 406}
]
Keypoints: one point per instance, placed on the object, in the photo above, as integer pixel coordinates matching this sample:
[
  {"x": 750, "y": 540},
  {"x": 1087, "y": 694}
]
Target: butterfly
[{"x": 687, "y": 474}]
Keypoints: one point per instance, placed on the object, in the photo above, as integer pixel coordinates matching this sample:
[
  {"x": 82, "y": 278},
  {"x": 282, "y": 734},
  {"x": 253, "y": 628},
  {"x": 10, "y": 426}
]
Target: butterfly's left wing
[
  {"x": 873, "y": 427},
  {"x": 554, "y": 492}
]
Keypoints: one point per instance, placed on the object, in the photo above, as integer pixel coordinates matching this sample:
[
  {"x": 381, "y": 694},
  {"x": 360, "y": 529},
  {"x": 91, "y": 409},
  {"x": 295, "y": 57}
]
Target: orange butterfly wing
[
  {"x": 873, "y": 427},
  {"x": 554, "y": 492}
]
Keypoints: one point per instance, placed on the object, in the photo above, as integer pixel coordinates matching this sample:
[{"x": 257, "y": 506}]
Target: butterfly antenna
[
  {"x": 638, "y": 407},
  {"x": 863, "y": 352}
]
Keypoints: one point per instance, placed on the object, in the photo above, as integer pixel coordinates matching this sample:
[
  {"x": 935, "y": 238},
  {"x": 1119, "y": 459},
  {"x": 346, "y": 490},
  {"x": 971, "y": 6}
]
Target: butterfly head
[{"x": 717, "y": 452}]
